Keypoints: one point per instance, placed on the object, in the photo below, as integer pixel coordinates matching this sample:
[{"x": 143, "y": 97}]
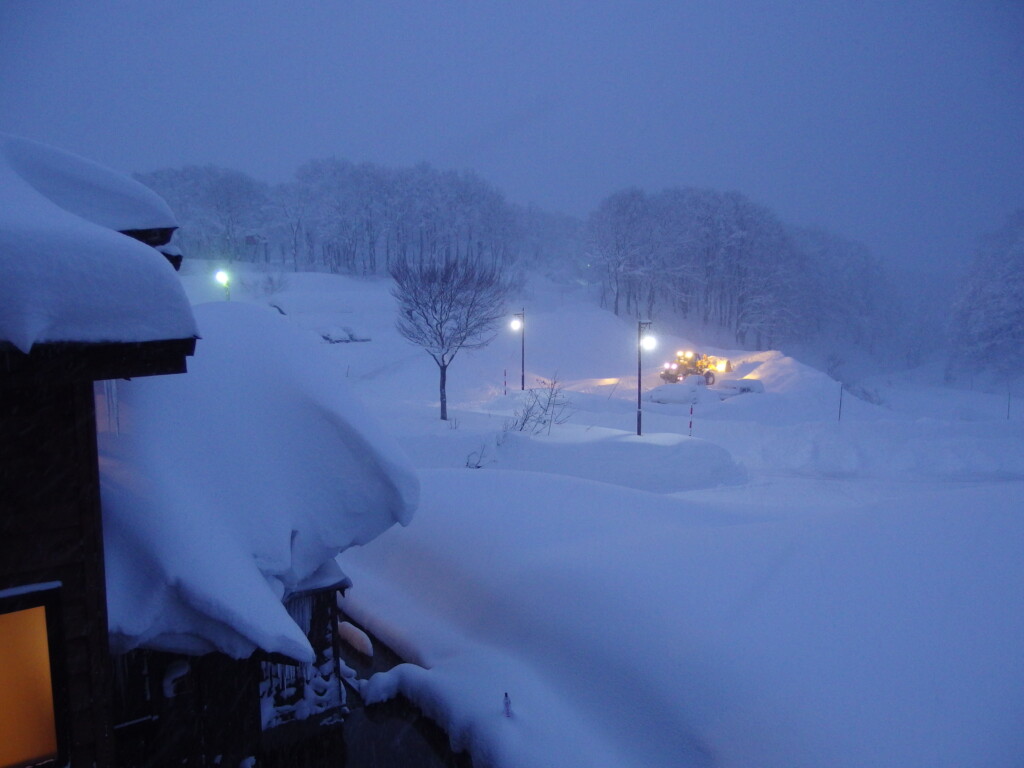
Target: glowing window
[{"x": 28, "y": 720}]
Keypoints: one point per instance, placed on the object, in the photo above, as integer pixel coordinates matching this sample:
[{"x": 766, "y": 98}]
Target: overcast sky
[{"x": 899, "y": 123}]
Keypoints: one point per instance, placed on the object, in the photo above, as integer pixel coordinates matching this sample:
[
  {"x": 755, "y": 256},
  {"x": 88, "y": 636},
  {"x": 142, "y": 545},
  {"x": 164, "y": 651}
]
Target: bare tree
[
  {"x": 543, "y": 406},
  {"x": 447, "y": 306}
]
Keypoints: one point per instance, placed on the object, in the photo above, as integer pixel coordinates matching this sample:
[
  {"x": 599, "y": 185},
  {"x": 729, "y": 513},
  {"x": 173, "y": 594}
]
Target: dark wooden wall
[
  {"x": 186, "y": 711},
  {"x": 51, "y": 530},
  {"x": 173, "y": 709}
]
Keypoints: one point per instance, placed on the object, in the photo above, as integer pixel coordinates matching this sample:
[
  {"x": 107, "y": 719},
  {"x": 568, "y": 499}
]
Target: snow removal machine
[{"x": 689, "y": 363}]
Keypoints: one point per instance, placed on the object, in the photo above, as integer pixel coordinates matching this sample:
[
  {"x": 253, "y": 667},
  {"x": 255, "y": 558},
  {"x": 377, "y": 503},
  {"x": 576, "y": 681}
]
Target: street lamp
[
  {"x": 644, "y": 343},
  {"x": 519, "y": 324},
  {"x": 224, "y": 279}
]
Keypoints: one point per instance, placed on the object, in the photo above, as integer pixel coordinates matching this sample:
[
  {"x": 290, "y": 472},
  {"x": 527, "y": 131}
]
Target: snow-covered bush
[{"x": 542, "y": 407}]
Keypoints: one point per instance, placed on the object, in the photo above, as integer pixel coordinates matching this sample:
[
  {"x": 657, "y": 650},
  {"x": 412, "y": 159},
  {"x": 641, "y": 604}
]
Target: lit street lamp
[
  {"x": 644, "y": 343},
  {"x": 224, "y": 279},
  {"x": 519, "y": 324}
]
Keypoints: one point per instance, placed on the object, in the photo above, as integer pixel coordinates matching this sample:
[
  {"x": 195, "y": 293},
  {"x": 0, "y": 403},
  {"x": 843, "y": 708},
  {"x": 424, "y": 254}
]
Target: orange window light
[{"x": 28, "y": 731}]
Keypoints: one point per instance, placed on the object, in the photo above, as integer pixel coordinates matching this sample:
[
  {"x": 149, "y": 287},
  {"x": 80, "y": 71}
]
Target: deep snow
[
  {"x": 230, "y": 486},
  {"x": 66, "y": 272},
  {"x": 782, "y": 588}
]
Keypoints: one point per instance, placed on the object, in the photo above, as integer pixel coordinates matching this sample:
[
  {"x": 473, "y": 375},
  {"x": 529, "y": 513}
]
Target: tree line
[
  {"x": 988, "y": 318},
  {"x": 349, "y": 218},
  {"x": 705, "y": 257},
  {"x": 720, "y": 260}
]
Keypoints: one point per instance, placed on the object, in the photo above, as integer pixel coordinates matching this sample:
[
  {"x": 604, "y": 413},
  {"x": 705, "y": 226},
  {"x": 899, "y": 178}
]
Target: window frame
[{"x": 48, "y": 596}]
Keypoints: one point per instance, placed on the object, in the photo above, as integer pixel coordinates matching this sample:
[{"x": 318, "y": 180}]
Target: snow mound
[
  {"x": 236, "y": 483},
  {"x": 690, "y": 391},
  {"x": 789, "y": 392},
  {"x": 87, "y": 189},
  {"x": 660, "y": 463},
  {"x": 783, "y": 374},
  {"x": 637, "y": 634},
  {"x": 741, "y": 386},
  {"x": 66, "y": 273},
  {"x": 921, "y": 450}
]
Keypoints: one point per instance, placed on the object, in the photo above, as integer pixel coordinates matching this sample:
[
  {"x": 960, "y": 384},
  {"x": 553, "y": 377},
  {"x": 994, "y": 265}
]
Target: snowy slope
[{"x": 782, "y": 588}]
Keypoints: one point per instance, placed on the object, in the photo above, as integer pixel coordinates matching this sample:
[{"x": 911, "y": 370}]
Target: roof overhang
[{"x": 82, "y": 361}]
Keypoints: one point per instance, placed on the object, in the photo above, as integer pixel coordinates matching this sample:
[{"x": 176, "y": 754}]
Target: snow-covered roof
[
  {"x": 66, "y": 273},
  {"x": 237, "y": 483}
]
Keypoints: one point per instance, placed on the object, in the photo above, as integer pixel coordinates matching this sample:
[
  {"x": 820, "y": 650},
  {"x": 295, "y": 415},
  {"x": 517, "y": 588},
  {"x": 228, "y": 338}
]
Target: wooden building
[
  {"x": 194, "y": 710},
  {"x": 52, "y": 588},
  {"x": 76, "y": 306}
]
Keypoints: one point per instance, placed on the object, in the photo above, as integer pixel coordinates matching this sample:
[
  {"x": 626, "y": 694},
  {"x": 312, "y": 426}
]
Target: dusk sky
[{"x": 899, "y": 124}]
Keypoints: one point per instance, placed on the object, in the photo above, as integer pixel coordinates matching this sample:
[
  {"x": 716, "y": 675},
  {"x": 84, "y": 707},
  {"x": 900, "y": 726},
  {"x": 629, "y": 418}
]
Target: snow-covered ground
[{"x": 780, "y": 588}]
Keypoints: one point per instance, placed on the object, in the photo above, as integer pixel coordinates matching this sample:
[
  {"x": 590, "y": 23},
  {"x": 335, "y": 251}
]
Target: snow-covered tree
[
  {"x": 342, "y": 216},
  {"x": 550, "y": 243},
  {"x": 715, "y": 258},
  {"x": 848, "y": 302},
  {"x": 621, "y": 246},
  {"x": 223, "y": 212},
  {"x": 989, "y": 324}
]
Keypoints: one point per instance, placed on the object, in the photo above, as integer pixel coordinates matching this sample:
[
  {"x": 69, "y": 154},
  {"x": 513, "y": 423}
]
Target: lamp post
[
  {"x": 519, "y": 324},
  {"x": 224, "y": 279},
  {"x": 643, "y": 342}
]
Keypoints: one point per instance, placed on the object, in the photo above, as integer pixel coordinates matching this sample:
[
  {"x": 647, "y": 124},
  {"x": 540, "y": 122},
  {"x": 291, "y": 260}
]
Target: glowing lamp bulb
[
  {"x": 516, "y": 324},
  {"x": 648, "y": 343},
  {"x": 222, "y": 277}
]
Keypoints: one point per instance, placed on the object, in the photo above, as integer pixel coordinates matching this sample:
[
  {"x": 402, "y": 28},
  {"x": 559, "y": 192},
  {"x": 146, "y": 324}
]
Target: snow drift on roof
[
  {"x": 66, "y": 274},
  {"x": 236, "y": 483},
  {"x": 87, "y": 189}
]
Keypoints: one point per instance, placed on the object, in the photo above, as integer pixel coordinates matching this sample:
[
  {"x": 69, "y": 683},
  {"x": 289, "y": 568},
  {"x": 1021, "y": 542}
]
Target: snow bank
[
  {"x": 661, "y": 463},
  {"x": 237, "y": 482},
  {"x": 690, "y": 391},
  {"x": 66, "y": 274},
  {"x": 921, "y": 450},
  {"x": 638, "y": 630}
]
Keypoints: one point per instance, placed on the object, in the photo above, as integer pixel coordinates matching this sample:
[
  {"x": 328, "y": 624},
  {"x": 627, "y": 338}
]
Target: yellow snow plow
[{"x": 688, "y": 362}]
